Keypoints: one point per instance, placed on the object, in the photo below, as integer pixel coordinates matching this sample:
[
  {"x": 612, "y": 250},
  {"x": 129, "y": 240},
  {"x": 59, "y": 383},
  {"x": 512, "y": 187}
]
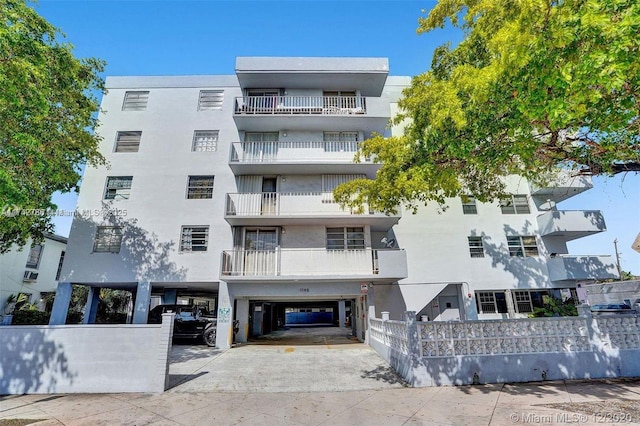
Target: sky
[{"x": 204, "y": 37}]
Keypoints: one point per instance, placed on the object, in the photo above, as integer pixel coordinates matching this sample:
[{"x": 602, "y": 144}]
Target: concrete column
[
  {"x": 471, "y": 311},
  {"x": 370, "y": 310},
  {"x": 161, "y": 380},
  {"x": 170, "y": 296},
  {"x": 61, "y": 304},
  {"x": 141, "y": 306},
  {"x": 511, "y": 309},
  {"x": 242, "y": 314},
  {"x": 224, "y": 336},
  {"x": 91, "y": 307},
  {"x": 342, "y": 316}
]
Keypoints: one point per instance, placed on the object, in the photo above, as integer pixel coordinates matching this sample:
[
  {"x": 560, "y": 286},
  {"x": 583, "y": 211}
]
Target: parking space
[{"x": 319, "y": 359}]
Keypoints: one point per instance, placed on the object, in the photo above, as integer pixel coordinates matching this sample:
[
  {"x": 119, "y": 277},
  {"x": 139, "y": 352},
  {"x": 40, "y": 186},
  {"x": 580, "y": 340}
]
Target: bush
[{"x": 30, "y": 317}]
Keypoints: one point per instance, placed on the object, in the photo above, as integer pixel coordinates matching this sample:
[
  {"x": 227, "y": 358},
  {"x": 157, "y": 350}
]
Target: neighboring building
[
  {"x": 220, "y": 191},
  {"x": 32, "y": 270}
]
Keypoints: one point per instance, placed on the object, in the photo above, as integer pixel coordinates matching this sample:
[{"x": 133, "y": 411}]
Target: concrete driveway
[{"x": 296, "y": 360}]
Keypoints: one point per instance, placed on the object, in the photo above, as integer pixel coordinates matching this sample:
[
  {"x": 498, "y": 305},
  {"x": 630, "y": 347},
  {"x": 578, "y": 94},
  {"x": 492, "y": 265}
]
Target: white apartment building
[
  {"x": 219, "y": 190},
  {"x": 32, "y": 271}
]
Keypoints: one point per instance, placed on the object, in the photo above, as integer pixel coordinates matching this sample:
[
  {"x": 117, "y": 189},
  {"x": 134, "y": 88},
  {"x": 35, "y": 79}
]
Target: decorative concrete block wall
[
  {"x": 517, "y": 350},
  {"x": 85, "y": 358}
]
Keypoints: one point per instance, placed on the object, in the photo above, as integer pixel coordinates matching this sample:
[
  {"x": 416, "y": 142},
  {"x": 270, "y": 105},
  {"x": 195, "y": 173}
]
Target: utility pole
[{"x": 615, "y": 244}]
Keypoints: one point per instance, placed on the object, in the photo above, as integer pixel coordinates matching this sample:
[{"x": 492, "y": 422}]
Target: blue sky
[{"x": 204, "y": 37}]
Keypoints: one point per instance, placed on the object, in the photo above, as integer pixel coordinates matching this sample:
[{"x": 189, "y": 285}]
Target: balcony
[
  {"x": 310, "y": 113},
  {"x": 564, "y": 186},
  {"x": 298, "y": 157},
  {"x": 571, "y": 224},
  {"x": 298, "y": 208},
  {"x": 314, "y": 264},
  {"x": 577, "y": 268}
]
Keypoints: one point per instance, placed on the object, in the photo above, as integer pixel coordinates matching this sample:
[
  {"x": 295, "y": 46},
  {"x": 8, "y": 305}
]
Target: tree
[
  {"x": 47, "y": 106},
  {"x": 535, "y": 85}
]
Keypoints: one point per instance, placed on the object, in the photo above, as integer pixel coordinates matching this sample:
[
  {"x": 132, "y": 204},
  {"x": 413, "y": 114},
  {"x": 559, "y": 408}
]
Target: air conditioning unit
[{"x": 30, "y": 276}]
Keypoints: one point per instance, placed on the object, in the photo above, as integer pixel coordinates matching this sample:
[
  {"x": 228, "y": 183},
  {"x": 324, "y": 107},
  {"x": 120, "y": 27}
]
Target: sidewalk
[{"x": 581, "y": 402}]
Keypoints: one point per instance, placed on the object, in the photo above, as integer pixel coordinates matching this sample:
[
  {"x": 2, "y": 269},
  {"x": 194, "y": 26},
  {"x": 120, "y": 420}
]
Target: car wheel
[{"x": 209, "y": 336}]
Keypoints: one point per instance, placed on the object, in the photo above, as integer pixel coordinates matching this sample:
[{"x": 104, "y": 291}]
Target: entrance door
[
  {"x": 269, "y": 196},
  {"x": 260, "y": 252},
  {"x": 449, "y": 308}
]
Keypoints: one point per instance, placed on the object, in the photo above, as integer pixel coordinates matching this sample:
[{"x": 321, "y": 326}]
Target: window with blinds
[
  {"x": 350, "y": 238},
  {"x": 476, "y": 248},
  {"x": 210, "y": 100},
  {"x": 135, "y": 101},
  {"x": 128, "y": 141},
  {"x": 205, "y": 140}
]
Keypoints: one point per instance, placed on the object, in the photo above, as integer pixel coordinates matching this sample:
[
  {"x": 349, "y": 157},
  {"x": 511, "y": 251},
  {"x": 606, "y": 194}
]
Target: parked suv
[{"x": 190, "y": 322}]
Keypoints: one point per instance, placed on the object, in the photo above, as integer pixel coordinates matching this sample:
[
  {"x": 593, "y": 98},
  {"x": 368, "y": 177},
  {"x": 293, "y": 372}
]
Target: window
[
  {"x": 340, "y": 141},
  {"x": 200, "y": 187},
  {"x": 515, "y": 204},
  {"x": 108, "y": 239},
  {"x": 128, "y": 141},
  {"x": 330, "y": 182},
  {"x": 491, "y": 302},
  {"x": 118, "y": 187},
  {"x": 34, "y": 256},
  {"x": 345, "y": 238},
  {"x": 135, "y": 101},
  {"x": 60, "y": 265},
  {"x": 525, "y": 301},
  {"x": 523, "y": 246},
  {"x": 210, "y": 100},
  {"x": 205, "y": 140},
  {"x": 469, "y": 205},
  {"x": 194, "y": 238},
  {"x": 476, "y": 249}
]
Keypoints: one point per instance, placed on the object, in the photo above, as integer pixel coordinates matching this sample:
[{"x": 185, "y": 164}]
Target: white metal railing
[
  {"x": 286, "y": 204},
  {"x": 304, "y": 151},
  {"x": 276, "y": 104},
  {"x": 299, "y": 262}
]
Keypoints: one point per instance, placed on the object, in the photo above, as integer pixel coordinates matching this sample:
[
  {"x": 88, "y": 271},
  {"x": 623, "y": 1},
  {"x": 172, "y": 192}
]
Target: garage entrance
[{"x": 304, "y": 322}]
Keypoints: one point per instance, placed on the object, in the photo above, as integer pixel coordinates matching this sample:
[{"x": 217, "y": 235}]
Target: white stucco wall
[{"x": 84, "y": 358}]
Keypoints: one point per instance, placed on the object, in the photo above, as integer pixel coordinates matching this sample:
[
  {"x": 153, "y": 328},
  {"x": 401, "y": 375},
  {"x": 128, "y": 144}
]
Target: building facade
[
  {"x": 31, "y": 272},
  {"x": 219, "y": 191}
]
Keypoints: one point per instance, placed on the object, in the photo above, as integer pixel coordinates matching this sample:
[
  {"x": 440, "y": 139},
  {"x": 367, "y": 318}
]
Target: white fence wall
[
  {"x": 85, "y": 358},
  {"x": 517, "y": 350}
]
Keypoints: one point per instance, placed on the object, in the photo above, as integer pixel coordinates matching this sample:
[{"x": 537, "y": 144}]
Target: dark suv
[{"x": 191, "y": 322}]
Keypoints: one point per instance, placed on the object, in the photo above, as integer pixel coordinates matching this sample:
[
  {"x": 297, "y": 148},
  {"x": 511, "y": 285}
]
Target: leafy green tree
[
  {"x": 47, "y": 106},
  {"x": 535, "y": 85},
  {"x": 554, "y": 307}
]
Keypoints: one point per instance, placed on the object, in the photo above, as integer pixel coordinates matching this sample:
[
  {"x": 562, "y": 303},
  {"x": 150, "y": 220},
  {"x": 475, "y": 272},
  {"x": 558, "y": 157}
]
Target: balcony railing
[
  {"x": 313, "y": 262},
  {"x": 287, "y": 204},
  {"x": 323, "y": 105},
  {"x": 294, "y": 151}
]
